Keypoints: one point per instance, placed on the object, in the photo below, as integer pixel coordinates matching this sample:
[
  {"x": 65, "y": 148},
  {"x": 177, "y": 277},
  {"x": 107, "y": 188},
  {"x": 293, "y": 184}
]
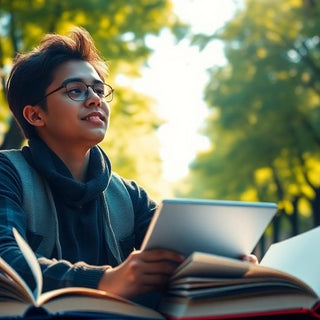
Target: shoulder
[
  {"x": 6, "y": 165},
  {"x": 139, "y": 196},
  {"x": 10, "y": 180}
]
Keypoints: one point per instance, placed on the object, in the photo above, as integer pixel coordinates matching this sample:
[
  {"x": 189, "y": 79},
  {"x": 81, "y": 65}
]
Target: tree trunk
[
  {"x": 295, "y": 217},
  {"x": 316, "y": 207}
]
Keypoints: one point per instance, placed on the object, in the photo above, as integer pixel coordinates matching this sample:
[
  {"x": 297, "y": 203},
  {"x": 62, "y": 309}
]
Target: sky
[{"x": 176, "y": 77}]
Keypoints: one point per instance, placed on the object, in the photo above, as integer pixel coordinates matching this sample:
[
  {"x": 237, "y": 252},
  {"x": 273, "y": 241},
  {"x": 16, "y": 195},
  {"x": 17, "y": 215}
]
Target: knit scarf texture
[
  {"x": 79, "y": 204},
  {"x": 60, "y": 179}
]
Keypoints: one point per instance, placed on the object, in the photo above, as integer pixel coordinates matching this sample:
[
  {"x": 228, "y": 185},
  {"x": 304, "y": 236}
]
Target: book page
[
  {"x": 17, "y": 282},
  {"x": 79, "y": 291},
  {"x": 32, "y": 262},
  {"x": 204, "y": 264},
  {"x": 207, "y": 282},
  {"x": 297, "y": 256},
  {"x": 82, "y": 300},
  {"x": 209, "y": 265}
]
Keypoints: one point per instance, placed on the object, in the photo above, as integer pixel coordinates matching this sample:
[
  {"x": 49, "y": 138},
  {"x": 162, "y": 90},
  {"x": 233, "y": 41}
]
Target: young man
[{"x": 84, "y": 222}]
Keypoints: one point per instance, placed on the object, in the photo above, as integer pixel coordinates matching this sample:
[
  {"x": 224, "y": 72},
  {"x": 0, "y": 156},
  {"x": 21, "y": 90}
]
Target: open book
[
  {"x": 16, "y": 299},
  {"x": 286, "y": 282}
]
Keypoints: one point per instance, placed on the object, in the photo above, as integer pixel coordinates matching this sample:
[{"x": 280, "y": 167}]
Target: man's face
[{"x": 74, "y": 123}]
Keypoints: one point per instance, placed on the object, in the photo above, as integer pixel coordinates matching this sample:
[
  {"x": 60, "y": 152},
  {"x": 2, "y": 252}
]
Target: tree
[{"x": 265, "y": 109}]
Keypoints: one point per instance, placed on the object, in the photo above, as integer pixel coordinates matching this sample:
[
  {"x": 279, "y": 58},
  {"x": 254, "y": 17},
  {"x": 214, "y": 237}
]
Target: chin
[{"x": 99, "y": 138}]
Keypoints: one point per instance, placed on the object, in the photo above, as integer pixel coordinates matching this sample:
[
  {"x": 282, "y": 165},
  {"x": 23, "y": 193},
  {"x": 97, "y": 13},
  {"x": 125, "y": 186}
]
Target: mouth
[{"x": 94, "y": 116}]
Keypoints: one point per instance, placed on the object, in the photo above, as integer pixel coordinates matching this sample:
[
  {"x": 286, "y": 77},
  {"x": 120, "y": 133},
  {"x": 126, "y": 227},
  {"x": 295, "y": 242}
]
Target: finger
[
  {"x": 250, "y": 258},
  {"x": 162, "y": 267},
  {"x": 162, "y": 254},
  {"x": 158, "y": 281}
]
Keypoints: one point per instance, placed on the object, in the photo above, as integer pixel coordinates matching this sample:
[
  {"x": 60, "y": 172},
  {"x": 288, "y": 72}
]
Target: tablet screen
[{"x": 226, "y": 228}]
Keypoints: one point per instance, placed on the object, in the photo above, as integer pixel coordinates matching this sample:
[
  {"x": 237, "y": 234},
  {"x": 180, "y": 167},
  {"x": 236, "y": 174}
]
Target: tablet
[{"x": 226, "y": 228}]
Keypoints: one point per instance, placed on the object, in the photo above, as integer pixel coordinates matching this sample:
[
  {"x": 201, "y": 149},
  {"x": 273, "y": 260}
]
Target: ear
[{"x": 34, "y": 115}]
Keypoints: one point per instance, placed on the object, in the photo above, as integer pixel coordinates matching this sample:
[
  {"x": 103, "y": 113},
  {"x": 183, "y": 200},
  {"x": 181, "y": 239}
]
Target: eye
[
  {"x": 76, "y": 89},
  {"x": 99, "y": 90}
]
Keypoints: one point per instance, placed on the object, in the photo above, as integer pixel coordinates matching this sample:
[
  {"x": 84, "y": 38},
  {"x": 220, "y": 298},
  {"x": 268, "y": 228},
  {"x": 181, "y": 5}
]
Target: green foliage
[
  {"x": 265, "y": 110},
  {"x": 119, "y": 29}
]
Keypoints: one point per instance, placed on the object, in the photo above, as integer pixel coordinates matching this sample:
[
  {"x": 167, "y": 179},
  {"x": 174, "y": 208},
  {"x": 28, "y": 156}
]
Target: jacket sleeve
[{"x": 56, "y": 273}]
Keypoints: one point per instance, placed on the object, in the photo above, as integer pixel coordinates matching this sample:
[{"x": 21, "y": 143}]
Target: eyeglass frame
[{"x": 66, "y": 82}]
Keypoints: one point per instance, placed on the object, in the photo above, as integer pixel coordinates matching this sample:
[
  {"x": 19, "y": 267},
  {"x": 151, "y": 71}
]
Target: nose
[{"x": 92, "y": 98}]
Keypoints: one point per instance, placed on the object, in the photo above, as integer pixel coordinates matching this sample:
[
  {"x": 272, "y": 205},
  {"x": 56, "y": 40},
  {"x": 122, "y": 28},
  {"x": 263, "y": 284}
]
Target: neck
[
  {"x": 77, "y": 165},
  {"x": 75, "y": 159}
]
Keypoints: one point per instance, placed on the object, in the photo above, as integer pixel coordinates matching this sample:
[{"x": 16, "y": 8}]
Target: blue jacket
[{"x": 27, "y": 203}]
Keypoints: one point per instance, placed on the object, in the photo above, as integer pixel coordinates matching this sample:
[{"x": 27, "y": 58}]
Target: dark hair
[{"x": 32, "y": 72}]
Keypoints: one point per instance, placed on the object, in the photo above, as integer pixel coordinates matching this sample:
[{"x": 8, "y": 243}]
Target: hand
[
  {"x": 141, "y": 272},
  {"x": 250, "y": 258}
]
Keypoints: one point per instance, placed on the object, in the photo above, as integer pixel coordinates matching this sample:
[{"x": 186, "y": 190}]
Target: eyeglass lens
[{"x": 78, "y": 90}]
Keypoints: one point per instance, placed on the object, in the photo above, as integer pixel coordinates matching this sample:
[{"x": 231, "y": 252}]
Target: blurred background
[{"x": 213, "y": 99}]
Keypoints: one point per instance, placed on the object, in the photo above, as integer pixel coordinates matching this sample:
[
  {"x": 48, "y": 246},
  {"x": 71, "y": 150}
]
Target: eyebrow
[{"x": 79, "y": 80}]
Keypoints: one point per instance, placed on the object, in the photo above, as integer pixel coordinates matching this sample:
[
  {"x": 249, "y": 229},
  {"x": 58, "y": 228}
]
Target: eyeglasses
[{"x": 79, "y": 91}]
